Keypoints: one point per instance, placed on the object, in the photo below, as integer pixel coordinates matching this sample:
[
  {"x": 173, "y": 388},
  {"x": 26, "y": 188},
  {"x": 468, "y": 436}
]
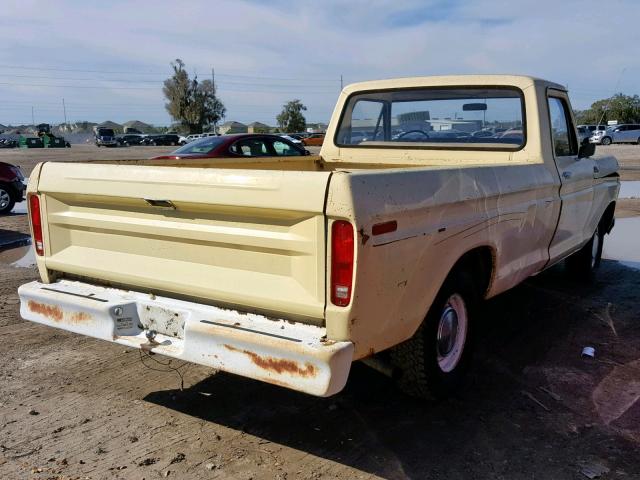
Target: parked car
[
  {"x": 238, "y": 145},
  {"x": 594, "y": 128},
  {"x": 8, "y": 143},
  {"x": 131, "y": 138},
  {"x": 12, "y": 187},
  {"x": 163, "y": 139},
  {"x": 625, "y": 133},
  {"x": 314, "y": 140},
  {"x": 583, "y": 133},
  {"x": 294, "y": 140},
  {"x": 287, "y": 272}
]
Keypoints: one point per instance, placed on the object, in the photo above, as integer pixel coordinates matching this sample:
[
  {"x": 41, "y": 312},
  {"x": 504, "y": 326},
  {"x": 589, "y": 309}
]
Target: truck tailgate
[{"x": 247, "y": 239}]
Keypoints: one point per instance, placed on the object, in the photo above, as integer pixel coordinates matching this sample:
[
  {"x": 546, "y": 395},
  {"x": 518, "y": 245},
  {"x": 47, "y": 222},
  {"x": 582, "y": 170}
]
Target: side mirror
[{"x": 587, "y": 149}]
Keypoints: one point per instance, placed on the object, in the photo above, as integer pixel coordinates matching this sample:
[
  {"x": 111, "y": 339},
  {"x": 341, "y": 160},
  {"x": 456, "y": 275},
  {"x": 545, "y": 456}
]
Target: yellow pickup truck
[{"x": 429, "y": 195}]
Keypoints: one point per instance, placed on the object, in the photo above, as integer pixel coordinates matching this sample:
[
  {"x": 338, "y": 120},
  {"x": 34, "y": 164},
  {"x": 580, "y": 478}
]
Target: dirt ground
[{"x": 73, "y": 407}]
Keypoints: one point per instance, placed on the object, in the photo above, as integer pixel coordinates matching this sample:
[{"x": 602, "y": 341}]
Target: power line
[
  {"x": 110, "y": 87},
  {"x": 164, "y": 72},
  {"x": 130, "y": 81}
]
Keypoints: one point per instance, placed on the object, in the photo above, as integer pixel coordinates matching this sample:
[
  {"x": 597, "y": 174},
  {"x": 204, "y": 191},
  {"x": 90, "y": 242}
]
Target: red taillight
[
  {"x": 36, "y": 223},
  {"x": 341, "y": 262}
]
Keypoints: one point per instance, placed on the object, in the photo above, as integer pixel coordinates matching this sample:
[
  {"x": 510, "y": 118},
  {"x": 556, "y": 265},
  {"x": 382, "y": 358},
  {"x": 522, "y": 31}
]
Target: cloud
[{"x": 267, "y": 53}]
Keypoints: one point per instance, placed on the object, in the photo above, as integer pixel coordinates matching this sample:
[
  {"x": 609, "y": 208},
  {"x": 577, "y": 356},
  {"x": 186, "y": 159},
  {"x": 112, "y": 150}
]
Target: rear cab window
[{"x": 449, "y": 117}]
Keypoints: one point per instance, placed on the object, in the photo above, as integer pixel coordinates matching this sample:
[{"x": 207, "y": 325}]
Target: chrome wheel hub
[
  {"x": 4, "y": 199},
  {"x": 452, "y": 333},
  {"x": 447, "y": 331}
]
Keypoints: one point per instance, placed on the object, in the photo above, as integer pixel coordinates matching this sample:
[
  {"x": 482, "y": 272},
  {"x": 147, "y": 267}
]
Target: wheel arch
[{"x": 481, "y": 261}]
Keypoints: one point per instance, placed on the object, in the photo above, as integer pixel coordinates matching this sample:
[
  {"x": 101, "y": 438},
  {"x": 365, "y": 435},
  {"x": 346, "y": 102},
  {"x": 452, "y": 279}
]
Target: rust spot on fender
[
  {"x": 52, "y": 312},
  {"x": 277, "y": 365}
]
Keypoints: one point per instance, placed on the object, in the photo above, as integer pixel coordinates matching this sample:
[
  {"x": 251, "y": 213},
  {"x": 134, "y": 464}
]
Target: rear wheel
[
  {"x": 7, "y": 200},
  {"x": 585, "y": 261},
  {"x": 434, "y": 361},
  {"x": 606, "y": 141}
]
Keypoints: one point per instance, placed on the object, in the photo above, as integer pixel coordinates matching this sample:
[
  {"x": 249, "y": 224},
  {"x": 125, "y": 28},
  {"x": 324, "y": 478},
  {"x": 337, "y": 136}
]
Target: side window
[
  {"x": 285, "y": 150},
  {"x": 562, "y": 134},
  {"x": 250, "y": 147}
]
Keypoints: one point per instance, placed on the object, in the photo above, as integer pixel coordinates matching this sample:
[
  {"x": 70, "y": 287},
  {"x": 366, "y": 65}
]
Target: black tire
[
  {"x": 422, "y": 371},
  {"x": 606, "y": 141},
  {"x": 7, "y": 199},
  {"x": 583, "y": 263}
]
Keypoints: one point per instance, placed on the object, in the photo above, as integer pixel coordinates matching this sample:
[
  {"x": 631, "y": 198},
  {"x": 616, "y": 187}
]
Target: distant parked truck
[
  {"x": 105, "y": 137},
  {"x": 44, "y": 139}
]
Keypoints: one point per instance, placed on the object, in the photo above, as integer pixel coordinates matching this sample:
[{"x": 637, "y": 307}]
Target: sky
[{"x": 107, "y": 60}]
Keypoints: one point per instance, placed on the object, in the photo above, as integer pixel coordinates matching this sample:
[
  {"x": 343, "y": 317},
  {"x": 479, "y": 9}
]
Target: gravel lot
[{"x": 72, "y": 407}]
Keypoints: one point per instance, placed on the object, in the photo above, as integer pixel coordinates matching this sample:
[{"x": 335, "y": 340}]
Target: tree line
[
  {"x": 195, "y": 106},
  {"x": 620, "y": 107}
]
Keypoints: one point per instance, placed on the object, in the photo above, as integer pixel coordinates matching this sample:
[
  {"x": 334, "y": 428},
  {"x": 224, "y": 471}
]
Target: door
[
  {"x": 632, "y": 135},
  {"x": 576, "y": 177},
  {"x": 620, "y": 134}
]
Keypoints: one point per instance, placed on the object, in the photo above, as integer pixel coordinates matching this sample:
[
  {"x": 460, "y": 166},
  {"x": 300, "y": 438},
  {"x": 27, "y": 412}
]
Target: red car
[
  {"x": 11, "y": 187},
  {"x": 241, "y": 145},
  {"x": 314, "y": 140}
]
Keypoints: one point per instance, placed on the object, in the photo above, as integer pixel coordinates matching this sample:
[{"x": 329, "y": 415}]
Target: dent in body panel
[{"x": 441, "y": 214}]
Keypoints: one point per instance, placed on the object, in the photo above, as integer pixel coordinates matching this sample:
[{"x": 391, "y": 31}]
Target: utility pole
[
  {"x": 33, "y": 121},
  {"x": 64, "y": 109},
  {"x": 606, "y": 107},
  {"x": 213, "y": 83},
  {"x": 341, "y": 86}
]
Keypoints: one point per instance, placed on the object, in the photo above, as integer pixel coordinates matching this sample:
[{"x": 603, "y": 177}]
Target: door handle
[
  {"x": 566, "y": 175},
  {"x": 596, "y": 169}
]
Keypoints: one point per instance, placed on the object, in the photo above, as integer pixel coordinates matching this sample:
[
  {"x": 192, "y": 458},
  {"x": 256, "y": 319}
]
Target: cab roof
[{"x": 520, "y": 81}]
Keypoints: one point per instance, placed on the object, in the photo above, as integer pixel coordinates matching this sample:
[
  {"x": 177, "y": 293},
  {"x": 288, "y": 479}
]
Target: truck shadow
[
  {"x": 12, "y": 239},
  {"x": 493, "y": 428}
]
